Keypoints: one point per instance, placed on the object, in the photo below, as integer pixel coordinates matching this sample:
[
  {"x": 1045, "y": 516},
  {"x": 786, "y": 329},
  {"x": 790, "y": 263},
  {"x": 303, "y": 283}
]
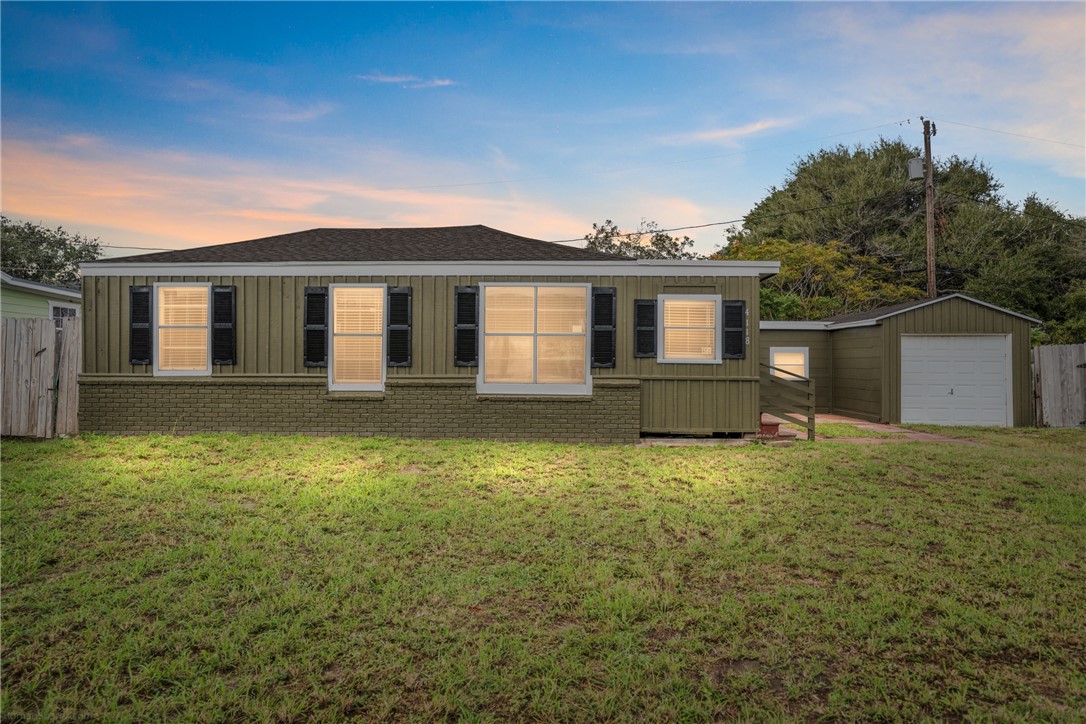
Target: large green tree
[
  {"x": 859, "y": 203},
  {"x": 35, "y": 252},
  {"x": 649, "y": 241},
  {"x": 820, "y": 280}
]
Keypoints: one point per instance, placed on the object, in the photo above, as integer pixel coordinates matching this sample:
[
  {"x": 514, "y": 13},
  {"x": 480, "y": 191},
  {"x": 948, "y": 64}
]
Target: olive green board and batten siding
[
  {"x": 675, "y": 397},
  {"x": 958, "y": 316},
  {"x": 858, "y": 372},
  {"x": 819, "y": 358}
]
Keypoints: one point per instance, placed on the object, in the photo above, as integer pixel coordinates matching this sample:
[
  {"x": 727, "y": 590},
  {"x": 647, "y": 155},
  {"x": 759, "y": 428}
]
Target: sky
[{"x": 171, "y": 125}]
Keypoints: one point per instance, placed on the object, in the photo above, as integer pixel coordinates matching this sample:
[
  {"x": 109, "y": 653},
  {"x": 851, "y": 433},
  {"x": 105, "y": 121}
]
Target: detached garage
[{"x": 947, "y": 361}]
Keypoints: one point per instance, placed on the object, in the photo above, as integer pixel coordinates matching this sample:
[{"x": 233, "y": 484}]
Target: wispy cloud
[
  {"x": 406, "y": 81},
  {"x": 726, "y": 136},
  {"x": 281, "y": 111},
  {"x": 228, "y": 100}
]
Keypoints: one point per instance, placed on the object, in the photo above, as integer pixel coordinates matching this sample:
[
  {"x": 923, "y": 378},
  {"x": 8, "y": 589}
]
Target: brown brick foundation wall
[{"x": 413, "y": 409}]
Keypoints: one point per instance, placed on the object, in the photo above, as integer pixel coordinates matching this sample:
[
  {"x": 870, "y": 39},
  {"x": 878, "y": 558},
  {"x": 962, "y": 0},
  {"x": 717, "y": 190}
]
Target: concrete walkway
[{"x": 899, "y": 434}]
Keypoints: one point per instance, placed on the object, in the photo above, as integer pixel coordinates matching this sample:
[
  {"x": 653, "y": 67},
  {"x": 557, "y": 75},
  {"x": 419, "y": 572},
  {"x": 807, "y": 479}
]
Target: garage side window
[
  {"x": 790, "y": 362},
  {"x": 357, "y": 350},
  {"x": 182, "y": 337},
  {"x": 689, "y": 328}
]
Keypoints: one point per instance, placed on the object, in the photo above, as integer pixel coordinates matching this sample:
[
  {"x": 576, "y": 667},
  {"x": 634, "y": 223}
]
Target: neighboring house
[
  {"x": 434, "y": 332},
  {"x": 953, "y": 360},
  {"x": 24, "y": 298}
]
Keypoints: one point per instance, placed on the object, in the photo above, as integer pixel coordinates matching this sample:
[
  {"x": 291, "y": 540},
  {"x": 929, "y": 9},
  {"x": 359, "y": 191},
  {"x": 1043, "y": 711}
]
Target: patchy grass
[
  {"x": 225, "y": 577},
  {"x": 832, "y": 430}
]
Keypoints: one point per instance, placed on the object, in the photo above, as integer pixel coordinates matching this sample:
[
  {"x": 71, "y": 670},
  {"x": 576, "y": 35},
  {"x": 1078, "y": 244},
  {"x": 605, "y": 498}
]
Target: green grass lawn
[{"x": 224, "y": 577}]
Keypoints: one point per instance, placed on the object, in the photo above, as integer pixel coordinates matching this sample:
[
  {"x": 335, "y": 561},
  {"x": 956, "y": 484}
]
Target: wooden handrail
[{"x": 788, "y": 396}]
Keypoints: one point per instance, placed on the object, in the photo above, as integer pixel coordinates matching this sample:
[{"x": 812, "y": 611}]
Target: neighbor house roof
[
  {"x": 438, "y": 243},
  {"x": 40, "y": 288},
  {"x": 875, "y": 316}
]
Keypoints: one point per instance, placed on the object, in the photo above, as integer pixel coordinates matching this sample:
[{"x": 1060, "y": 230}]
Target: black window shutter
[
  {"x": 315, "y": 331},
  {"x": 223, "y": 334},
  {"x": 139, "y": 321},
  {"x": 734, "y": 330},
  {"x": 603, "y": 326},
  {"x": 399, "y": 327},
  {"x": 466, "y": 327},
  {"x": 644, "y": 328}
]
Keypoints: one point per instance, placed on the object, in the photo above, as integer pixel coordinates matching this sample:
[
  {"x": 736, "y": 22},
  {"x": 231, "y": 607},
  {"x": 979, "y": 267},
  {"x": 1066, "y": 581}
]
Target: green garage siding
[
  {"x": 675, "y": 397},
  {"x": 819, "y": 358},
  {"x": 858, "y": 379},
  {"x": 958, "y": 316}
]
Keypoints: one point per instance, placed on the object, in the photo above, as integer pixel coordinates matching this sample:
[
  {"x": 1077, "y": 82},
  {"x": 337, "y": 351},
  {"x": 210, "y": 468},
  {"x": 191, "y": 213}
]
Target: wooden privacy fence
[
  {"x": 1059, "y": 385},
  {"x": 40, "y": 370}
]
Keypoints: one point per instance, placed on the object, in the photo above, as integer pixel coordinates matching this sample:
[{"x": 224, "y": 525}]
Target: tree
[
  {"x": 1072, "y": 329},
  {"x": 860, "y": 203},
  {"x": 648, "y": 242},
  {"x": 819, "y": 281},
  {"x": 52, "y": 256}
]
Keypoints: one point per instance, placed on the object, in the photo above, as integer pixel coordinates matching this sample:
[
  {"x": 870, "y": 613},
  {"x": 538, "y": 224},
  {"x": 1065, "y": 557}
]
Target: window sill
[
  {"x": 487, "y": 397},
  {"x": 355, "y": 395},
  {"x": 178, "y": 373}
]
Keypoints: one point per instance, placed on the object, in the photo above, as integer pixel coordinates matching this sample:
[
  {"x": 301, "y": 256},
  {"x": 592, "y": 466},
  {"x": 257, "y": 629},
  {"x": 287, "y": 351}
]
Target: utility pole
[{"x": 929, "y": 203}]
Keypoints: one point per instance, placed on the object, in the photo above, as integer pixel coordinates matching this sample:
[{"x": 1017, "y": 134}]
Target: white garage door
[{"x": 956, "y": 380}]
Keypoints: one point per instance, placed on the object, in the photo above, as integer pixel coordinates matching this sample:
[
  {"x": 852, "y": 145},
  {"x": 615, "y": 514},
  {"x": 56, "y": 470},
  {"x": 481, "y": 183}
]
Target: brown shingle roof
[
  {"x": 875, "y": 313},
  {"x": 439, "y": 243}
]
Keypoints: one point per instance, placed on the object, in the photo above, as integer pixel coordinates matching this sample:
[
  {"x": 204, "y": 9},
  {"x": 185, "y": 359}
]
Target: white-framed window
[
  {"x": 688, "y": 328},
  {"x": 789, "y": 359},
  {"x": 534, "y": 339},
  {"x": 182, "y": 335},
  {"x": 62, "y": 310},
  {"x": 356, "y": 337}
]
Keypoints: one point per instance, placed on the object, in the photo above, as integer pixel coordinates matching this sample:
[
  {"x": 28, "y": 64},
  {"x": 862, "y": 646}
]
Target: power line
[
  {"x": 748, "y": 217},
  {"x": 1066, "y": 222},
  {"x": 142, "y": 248},
  {"x": 1008, "y": 133}
]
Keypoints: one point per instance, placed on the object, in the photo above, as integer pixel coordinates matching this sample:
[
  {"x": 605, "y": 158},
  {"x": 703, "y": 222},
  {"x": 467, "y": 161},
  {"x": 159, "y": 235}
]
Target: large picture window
[
  {"x": 182, "y": 338},
  {"x": 689, "y": 328},
  {"x": 535, "y": 339},
  {"x": 356, "y": 359}
]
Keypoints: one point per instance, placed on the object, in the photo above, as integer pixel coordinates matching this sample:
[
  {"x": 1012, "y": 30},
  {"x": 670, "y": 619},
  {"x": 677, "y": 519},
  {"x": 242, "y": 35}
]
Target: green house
[
  {"x": 24, "y": 298},
  {"x": 953, "y": 360},
  {"x": 431, "y": 332}
]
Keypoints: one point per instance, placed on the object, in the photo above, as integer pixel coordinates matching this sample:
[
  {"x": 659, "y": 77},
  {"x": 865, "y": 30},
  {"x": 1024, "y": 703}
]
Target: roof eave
[
  {"x": 860, "y": 323},
  {"x": 792, "y": 325},
  {"x": 621, "y": 267},
  {"x": 41, "y": 288}
]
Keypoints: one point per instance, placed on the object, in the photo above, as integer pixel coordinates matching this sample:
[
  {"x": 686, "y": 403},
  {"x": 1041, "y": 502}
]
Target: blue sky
[{"x": 178, "y": 124}]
